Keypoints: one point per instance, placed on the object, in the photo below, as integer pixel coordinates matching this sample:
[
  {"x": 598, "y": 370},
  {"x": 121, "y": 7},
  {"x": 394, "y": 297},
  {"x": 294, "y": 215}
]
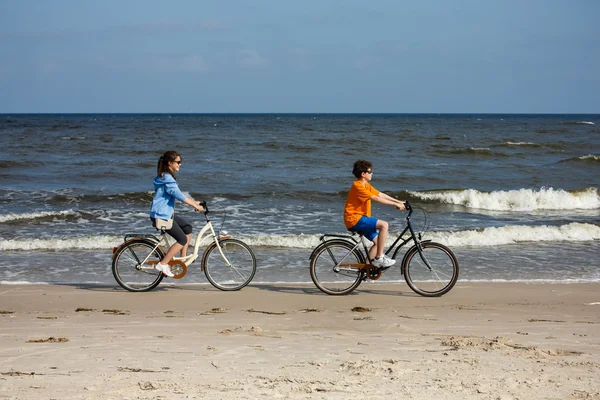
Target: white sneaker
[
  {"x": 165, "y": 269},
  {"x": 383, "y": 261}
]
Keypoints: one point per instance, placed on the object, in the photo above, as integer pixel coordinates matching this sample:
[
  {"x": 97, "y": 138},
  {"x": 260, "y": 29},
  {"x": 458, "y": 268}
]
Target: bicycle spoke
[
  {"x": 326, "y": 273},
  {"x": 127, "y": 269},
  {"x": 437, "y": 278},
  {"x": 236, "y": 272}
]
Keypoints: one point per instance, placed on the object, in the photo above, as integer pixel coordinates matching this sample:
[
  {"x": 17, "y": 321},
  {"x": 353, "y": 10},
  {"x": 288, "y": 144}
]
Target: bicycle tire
[
  {"x": 325, "y": 257},
  {"x": 229, "y": 277},
  {"x": 435, "y": 281},
  {"x": 126, "y": 266}
]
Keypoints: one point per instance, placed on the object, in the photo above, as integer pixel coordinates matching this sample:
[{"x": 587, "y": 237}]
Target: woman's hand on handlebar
[{"x": 198, "y": 206}]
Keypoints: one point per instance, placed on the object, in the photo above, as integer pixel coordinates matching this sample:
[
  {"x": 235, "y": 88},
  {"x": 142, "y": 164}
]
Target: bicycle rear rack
[
  {"x": 337, "y": 235},
  {"x": 140, "y": 235}
]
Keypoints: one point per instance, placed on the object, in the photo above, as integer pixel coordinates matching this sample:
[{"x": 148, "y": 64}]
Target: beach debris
[
  {"x": 307, "y": 310},
  {"x": 115, "y": 312},
  {"x": 19, "y": 373},
  {"x": 81, "y": 309},
  {"x": 47, "y": 317},
  {"x": 596, "y": 303},
  {"x": 266, "y": 312},
  {"x": 361, "y": 309},
  {"x": 148, "y": 385},
  {"x": 408, "y": 317},
  {"x": 129, "y": 369},
  {"x": 226, "y": 332},
  {"x": 215, "y": 310},
  {"x": 49, "y": 340},
  {"x": 215, "y": 365},
  {"x": 367, "y": 318},
  {"x": 256, "y": 330},
  {"x": 5, "y": 312},
  {"x": 545, "y": 320}
]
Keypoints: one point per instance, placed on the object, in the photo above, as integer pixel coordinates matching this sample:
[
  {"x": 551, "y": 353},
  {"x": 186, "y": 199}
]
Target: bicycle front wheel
[
  {"x": 432, "y": 273},
  {"x": 234, "y": 272},
  {"x": 130, "y": 265},
  {"x": 329, "y": 271}
]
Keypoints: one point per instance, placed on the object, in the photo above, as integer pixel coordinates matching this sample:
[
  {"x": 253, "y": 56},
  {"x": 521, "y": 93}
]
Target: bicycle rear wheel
[
  {"x": 127, "y": 267},
  {"x": 229, "y": 277},
  {"x": 328, "y": 276},
  {"x": 434, "y": 279}
]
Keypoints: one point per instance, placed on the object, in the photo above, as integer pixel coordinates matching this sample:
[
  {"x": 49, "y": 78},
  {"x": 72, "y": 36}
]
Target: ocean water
[{"x": 515, "y": 196}]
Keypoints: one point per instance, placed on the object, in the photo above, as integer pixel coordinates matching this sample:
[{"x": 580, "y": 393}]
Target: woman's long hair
[{"x": 163, "y": 163}]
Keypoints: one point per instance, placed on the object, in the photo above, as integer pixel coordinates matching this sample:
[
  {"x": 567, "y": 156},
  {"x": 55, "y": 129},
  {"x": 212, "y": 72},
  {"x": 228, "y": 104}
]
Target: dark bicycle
[{"x": 338, "y": 265}]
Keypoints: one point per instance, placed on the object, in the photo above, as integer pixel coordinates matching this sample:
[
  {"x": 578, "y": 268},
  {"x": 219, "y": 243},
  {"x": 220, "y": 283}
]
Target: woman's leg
[
  {"x": 186, "y": 228},
  {"x": 173, "y": 250},
  {"x": 182, "y": 241}
]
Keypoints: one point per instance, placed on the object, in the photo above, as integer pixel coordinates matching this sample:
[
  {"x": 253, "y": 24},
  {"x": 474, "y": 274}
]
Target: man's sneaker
[
  {"x": 165, "y": 269},
  {"x": 383, "y": 262}
]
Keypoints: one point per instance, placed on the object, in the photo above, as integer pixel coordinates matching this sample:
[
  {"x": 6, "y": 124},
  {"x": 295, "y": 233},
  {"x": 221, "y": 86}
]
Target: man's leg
[{"x": 383, "y": 227}]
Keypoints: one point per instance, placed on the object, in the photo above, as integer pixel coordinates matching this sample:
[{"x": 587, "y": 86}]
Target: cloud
[{"x": 251, "y": 59}]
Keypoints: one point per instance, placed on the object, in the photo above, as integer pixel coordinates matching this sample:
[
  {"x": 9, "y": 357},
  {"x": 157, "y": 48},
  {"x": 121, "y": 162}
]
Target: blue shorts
[{"x": 367, "y": 226}]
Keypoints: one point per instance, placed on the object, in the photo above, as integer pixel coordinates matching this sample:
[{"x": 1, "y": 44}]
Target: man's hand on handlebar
[{"x": 401, "y": 206}]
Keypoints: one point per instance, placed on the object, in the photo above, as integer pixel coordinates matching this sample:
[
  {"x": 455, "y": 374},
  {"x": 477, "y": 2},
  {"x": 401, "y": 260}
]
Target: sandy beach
[{"x": 480, "y": 341}]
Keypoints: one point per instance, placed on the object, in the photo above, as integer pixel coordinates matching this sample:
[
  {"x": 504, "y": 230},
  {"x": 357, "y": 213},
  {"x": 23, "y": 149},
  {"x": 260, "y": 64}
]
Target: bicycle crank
[
  {"x": 373, "y": 272},
  {"x": 178, "y": 268}
]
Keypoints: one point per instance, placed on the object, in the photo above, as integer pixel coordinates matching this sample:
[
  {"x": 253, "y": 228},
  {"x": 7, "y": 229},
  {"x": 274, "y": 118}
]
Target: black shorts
[{"x": 179, "y": 230}]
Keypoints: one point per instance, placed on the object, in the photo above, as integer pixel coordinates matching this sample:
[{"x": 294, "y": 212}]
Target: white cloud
[{"x": 251, "y": 58}]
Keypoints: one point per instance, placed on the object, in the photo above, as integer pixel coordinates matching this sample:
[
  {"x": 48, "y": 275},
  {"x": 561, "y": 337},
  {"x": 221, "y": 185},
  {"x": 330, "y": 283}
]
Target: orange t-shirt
[{"x": 358, "y": 202}]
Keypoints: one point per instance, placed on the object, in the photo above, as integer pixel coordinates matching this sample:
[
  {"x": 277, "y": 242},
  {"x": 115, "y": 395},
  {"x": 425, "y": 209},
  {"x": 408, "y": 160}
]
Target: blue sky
[{"x": 446, "y": 56}]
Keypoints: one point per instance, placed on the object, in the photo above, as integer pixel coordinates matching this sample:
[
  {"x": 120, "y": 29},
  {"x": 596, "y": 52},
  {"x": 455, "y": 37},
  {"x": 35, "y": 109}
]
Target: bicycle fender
[{"x": 125, "y": 243}]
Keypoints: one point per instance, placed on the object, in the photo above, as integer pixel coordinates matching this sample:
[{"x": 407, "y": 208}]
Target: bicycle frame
[
  {"x": 413, "y": 236},
  {"x": 207, "y": 232}
]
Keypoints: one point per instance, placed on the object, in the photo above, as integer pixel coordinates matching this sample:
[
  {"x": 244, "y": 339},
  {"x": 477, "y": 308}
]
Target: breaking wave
[{"x": 516, "y": 200}]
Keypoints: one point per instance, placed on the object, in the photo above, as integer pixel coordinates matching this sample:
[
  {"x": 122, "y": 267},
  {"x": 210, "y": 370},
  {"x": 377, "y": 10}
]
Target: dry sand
[{"x": 480, "y": 341}]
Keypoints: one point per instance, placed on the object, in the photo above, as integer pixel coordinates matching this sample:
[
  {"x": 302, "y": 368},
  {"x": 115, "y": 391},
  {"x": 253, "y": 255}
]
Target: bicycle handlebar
[
  {"x": 205, "y": 206},
  {"x": 408, "y": 208}
]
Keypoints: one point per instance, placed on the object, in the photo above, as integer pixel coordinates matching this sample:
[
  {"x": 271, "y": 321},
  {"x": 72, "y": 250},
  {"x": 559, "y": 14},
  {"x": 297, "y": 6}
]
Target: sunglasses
[
  {"x": 178, "y": 162},
  {"x": 368, "y": 172}
]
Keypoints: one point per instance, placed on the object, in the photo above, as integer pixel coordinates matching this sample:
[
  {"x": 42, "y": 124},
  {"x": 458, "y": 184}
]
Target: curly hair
[{"x": 361, "y": 166}]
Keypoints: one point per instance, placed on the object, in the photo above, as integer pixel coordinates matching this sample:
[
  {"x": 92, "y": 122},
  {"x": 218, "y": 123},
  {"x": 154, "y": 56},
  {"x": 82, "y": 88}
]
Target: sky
[{"x": 284, "y": 56}]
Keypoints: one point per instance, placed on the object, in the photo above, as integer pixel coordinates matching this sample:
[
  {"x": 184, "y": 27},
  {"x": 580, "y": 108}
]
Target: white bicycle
[{"x": 229, "y": 264}]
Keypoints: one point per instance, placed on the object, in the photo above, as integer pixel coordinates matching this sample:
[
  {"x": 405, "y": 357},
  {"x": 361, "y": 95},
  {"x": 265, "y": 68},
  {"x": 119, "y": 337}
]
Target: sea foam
[
  {"x": 492, "y": 236},
  {"x": 517, "y": 200},
  {"x": 42, "y": 214}
]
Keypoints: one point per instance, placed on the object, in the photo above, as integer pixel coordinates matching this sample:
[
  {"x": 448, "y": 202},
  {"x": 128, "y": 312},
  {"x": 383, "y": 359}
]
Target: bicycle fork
[{"x": 419, "y": 248}]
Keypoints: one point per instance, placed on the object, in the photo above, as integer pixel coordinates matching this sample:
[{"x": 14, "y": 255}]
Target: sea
[{"x": 515, "y": 196}]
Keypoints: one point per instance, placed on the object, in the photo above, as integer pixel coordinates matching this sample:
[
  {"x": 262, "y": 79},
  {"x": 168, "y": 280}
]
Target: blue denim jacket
[{"x": 166, "y": 192}]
